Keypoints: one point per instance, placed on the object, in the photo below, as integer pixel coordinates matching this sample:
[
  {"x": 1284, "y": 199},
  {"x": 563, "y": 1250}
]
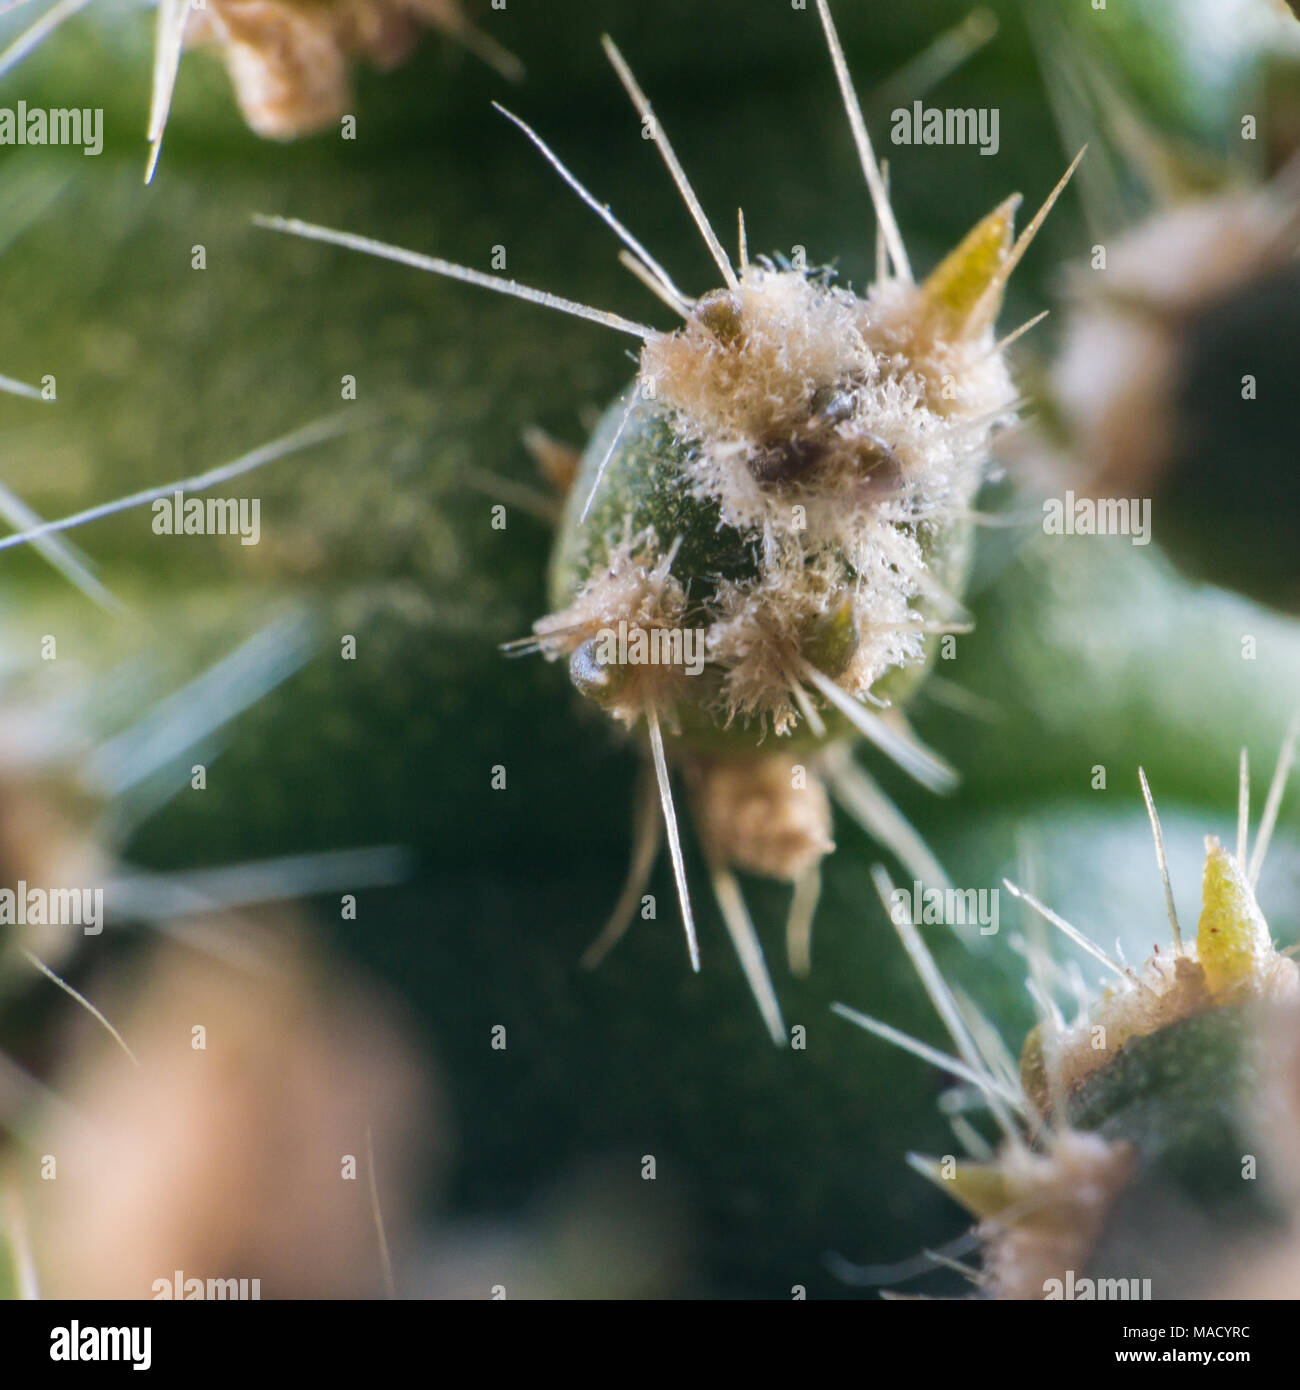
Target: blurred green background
[{"x": 1087, "y": 651}]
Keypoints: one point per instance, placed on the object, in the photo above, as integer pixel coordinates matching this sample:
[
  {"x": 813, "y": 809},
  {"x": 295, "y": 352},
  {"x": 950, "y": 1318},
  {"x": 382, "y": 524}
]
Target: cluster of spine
[{"x": 1148, "y": 1110}]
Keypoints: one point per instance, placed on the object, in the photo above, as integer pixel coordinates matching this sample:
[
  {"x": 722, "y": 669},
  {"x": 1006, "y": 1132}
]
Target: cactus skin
[
  {"x": 643, "y": 487},
  {"x": 749, "y": 1129},
  {"x": 806, "y": 454},
  {"x": 1180, "y": 1097},
  {"x": 1147, "y": 1110}
]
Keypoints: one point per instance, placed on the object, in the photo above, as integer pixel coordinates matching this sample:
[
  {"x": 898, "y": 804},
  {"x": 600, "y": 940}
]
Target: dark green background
[{"x": 1088, "y": 652}]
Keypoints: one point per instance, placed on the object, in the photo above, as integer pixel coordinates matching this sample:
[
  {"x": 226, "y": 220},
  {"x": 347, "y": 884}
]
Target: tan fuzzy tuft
[
  {"x": 635, "y": 593},
  {"x": 840, "y": 432},
  {"x": 803, "y": 393},
  {"x": 290, "y": 60},
  {"x": 762, "y": 629},
  {"x": 1056, "y": 1203},
  {"x": 761, "y": 815},
  {"x": 1169, "y": 987}
]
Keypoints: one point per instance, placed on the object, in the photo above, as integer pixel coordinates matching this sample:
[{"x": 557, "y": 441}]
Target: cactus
[
  {"x": 775, "y": 1168},
  {"x": 1147, "y": 1110},
  {"x": 789, "y": 481}
]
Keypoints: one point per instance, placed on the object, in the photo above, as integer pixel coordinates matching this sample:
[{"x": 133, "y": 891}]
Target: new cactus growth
[
  {"x": 1144, "y": 1107},
  {"x": 290, "y": 61},
  {"x": 761, "y": 552},
  {"x": 786, "y": 489}
]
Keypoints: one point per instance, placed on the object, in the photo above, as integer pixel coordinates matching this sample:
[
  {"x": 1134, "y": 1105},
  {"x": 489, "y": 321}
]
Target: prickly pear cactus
[
  {"x": 1146, "y": 1139},
  {"x": 784, "y": 495}
]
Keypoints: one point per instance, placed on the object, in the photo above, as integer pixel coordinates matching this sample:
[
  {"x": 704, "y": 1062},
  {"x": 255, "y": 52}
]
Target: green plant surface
[{"x": 1089, "y": 653}]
